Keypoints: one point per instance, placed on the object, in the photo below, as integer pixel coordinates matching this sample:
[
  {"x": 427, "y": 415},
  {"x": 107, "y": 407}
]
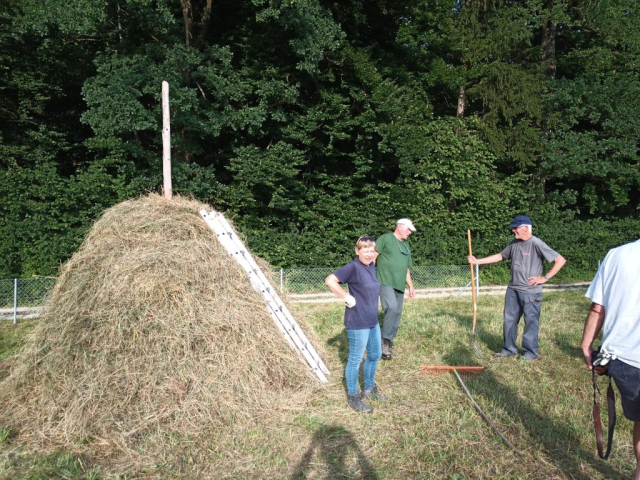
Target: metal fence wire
[
  {"x": 311, "y": 280},
  {"x": 23, "y": 297}
]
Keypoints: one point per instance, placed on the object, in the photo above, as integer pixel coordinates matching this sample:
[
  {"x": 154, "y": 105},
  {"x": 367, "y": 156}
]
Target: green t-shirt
[{"x": 393, "y": 262}]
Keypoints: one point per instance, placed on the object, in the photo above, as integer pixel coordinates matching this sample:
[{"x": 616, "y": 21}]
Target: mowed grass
[{"x": 429, "y": 428}]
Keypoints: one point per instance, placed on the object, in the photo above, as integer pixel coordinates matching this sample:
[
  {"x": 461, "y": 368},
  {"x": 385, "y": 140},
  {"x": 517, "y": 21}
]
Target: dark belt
[{"x": 597, "y": 422}]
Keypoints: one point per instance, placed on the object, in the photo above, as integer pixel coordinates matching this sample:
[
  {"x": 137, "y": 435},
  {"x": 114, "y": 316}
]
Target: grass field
[{"x": 429, "y": 428}]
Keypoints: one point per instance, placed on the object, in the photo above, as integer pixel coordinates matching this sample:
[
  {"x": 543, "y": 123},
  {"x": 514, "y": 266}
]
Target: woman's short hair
[{"x": 366, "y": 241}]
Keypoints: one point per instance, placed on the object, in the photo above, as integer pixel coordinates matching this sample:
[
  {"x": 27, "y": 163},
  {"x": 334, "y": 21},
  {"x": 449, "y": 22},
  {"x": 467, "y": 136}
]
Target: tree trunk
[
  {"x": 462, "y": 99},
  {"x": 549, "y": 65},
  {"x": 186, "y": 15},
  {"x": 205, "y": 20},
  {"x": 549, "y": 48}
]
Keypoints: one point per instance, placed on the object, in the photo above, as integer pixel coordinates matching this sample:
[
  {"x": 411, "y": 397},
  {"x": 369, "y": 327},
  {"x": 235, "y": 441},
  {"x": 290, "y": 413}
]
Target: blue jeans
[
  {"x": 517, "y": 304},
  {"x": 391, "y": 300},
  {"x": 359, "y": 340}
]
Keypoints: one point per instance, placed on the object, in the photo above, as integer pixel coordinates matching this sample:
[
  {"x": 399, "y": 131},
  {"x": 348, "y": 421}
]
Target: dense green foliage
[{"x": 311, "y": 122}]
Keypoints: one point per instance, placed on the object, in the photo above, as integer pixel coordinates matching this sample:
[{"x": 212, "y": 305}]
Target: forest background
[{"x": 311, "y": 122}]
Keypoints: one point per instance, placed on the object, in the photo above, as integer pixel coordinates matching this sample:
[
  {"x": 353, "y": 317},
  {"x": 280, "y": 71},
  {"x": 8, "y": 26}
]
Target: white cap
[{"x": 406, "y": 222}]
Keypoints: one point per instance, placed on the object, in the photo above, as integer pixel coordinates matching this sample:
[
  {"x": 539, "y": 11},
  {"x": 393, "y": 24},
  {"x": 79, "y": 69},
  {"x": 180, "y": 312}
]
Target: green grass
[
  {"x": 12, "y": 337},
  {"x": 428, "y": 429}
]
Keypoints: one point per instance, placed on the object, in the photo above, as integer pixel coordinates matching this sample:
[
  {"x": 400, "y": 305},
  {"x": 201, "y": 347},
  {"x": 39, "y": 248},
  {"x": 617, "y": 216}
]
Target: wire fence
[
  {"x": 311, "y": 280},
  {"x": 24, "y": 297}
]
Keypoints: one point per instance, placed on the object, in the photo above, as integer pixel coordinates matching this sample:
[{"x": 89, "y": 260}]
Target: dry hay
[{"x": 152, "y": 330}]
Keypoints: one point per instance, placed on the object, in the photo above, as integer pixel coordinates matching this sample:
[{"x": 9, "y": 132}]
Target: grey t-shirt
[{"x": 526, "y": 261}]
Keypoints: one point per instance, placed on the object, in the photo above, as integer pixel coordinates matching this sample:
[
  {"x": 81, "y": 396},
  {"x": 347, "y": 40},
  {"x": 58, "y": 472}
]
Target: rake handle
[{"x": 473, "y": 286}]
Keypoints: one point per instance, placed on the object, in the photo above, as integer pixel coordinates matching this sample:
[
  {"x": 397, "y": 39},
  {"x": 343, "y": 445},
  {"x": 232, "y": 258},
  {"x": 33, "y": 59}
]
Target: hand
[
  {"x": 587, "y": 353},
  {"x": 536, "y": 281},
  {"x": 412, "y": 292},
  {"x": 349, "y": 301},
  {"x": 472, "y": 260}
]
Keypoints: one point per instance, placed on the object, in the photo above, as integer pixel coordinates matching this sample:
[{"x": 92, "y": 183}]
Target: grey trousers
[
  {"x": 517, "y": 304},
  {"x": 391, "y": 300}
]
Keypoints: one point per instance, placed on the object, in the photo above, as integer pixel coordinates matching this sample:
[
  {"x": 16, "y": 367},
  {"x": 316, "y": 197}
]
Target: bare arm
[
  {"x": 592, "y": 326},
  {"x": 486, "y": 260},
  {"x": 334, "y": 285},
  {"x": 412, "y": 291},
  {"x": 558, "y": 263}
]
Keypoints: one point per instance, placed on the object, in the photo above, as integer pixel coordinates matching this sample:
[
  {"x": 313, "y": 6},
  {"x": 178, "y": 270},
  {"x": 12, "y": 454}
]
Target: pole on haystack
[{"x": 166, "y": 143}]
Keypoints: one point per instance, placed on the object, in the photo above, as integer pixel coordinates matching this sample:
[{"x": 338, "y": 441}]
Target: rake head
[{"x": 474, "y": 346}]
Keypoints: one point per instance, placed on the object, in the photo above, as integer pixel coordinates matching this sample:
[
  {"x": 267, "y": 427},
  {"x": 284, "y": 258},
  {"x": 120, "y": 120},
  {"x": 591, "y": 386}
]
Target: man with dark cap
[
  {"x": 393, "y": 267},
  {"x": 524, "y": 293}
]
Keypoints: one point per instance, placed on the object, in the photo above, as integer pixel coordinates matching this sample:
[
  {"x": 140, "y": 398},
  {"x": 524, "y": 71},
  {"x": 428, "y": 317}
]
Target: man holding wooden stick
[{"x": 524, "y": 293}]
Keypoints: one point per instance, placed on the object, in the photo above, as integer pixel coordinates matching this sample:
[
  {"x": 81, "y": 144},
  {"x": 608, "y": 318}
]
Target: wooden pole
[
  {"x": 450, "y": 369},
  {"x": 473, "y": 290},
  {"x": 166, "y": 143}
]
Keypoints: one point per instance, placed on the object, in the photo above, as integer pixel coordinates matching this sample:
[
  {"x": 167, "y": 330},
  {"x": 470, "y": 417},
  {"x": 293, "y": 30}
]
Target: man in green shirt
[{"x": 393, "y": 268}]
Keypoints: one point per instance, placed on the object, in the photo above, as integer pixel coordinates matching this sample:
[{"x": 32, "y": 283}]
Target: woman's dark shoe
[
  {"x": 373, "y": 394},
  {"x": 356, "y": 403}
]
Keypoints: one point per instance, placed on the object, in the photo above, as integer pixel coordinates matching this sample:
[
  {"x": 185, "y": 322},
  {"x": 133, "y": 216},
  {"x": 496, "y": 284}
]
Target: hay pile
[{"x": 152, "y": 329}]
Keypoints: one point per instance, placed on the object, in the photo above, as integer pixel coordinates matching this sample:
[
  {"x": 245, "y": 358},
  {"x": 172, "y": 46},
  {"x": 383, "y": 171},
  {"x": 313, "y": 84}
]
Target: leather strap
[
  {"x": 611, "y": 407},
  {"x": 597, "y": 421}
]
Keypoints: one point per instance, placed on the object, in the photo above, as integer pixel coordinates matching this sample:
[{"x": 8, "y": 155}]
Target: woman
[{"x": 361, "y": 321}]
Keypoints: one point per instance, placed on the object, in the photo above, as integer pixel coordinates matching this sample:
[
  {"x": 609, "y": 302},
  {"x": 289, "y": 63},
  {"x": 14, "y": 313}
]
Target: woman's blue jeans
[{"x": 360, "y": 340}]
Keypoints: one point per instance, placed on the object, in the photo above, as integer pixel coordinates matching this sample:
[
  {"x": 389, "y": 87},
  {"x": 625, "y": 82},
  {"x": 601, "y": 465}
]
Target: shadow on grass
[
  {"x": 334, "y": 445},
  {"x": 555, "y": 436},
  {"x": 568, "y": 345},
  {"x": 341, "y": 343}
]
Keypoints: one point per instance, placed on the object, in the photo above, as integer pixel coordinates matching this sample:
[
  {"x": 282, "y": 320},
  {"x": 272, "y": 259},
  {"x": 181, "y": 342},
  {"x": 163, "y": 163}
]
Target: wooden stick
[
  {"x": 473, "y": 289},
  {"x": 484, "y": 416},
  {"x": 166, "y": 143},
  {"x": 449, "y": 368}
]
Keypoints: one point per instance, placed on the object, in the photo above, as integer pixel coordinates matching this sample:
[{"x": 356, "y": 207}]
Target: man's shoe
[
  {"x": 373, "y": 394},
  {"x": 529, "y": 359},
  {"x": 356, "y": 403},
  {"x": 386, "y": 350},
  {"x": 503, "y": 355},
  {"x": 391, "y": 349}
]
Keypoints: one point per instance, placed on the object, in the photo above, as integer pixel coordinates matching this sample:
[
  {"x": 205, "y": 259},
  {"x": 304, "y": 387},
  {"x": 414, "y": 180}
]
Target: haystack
[{"x": 152, "y": 330}]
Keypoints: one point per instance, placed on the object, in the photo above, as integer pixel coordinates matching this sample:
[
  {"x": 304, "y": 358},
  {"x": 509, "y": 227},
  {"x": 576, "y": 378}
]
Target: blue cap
[{"x": 520, "y": 220}]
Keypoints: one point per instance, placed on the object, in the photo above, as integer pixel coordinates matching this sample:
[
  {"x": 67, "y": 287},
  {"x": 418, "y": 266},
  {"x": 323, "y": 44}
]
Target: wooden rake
[{"x": 474, "y": 346}]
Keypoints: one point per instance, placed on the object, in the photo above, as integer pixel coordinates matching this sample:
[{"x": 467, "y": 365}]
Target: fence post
[
  {"x": 281, "y": 281},
  {"x": 15, "y": 301}
]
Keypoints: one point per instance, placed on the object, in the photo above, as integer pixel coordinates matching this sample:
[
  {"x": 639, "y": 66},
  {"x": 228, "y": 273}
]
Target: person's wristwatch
[{"x": 547, "y": 277}]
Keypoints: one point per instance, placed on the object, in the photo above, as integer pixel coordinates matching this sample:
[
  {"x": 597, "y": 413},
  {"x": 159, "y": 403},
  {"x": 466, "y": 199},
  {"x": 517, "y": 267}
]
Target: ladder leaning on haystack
[{"x": 278, "y": 310}]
